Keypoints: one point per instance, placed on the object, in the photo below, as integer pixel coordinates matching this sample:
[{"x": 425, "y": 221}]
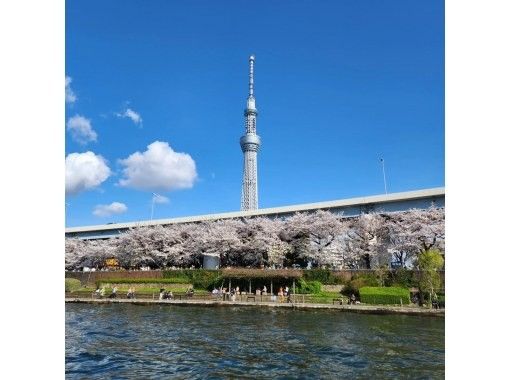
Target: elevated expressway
[{"x": 395, "y": 202}]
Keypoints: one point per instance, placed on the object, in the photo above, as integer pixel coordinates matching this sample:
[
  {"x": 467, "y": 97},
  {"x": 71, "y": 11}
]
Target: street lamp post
[
  {"x": 152, "y": 205},
  {"x": 65, "y": 210},
  {"x": 154, "y": 196},
  {"x": 384, "y": 176}
]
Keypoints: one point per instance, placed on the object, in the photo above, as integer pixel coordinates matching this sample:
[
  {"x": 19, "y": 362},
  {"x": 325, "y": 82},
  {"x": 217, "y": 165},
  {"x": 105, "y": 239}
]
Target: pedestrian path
[{"x": 369, "y": 309}]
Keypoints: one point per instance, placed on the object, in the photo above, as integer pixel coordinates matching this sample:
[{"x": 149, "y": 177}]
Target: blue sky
[{"x": 338, "y": 84}]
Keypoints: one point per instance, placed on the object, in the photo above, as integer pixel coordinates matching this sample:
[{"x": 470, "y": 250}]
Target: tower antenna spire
[{"x": 252, "y": 60}]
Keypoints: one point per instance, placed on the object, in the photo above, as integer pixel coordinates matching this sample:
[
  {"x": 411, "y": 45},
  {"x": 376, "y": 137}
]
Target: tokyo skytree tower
[{"x": 250, "y": 143}]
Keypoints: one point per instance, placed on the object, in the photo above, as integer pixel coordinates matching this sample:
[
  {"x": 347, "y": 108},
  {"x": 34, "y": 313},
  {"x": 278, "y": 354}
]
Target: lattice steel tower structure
[{"x": 250, "y": 144}]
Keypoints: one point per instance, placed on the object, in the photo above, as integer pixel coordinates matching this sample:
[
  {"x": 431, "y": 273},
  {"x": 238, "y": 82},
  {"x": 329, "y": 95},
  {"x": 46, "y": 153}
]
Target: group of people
[
  {"x": 284, "y": 293},
  {"x": 223, "y": 293},
  {"x": 165, "y": 295},
  {"x": 262, "y": 292},
  {"x": 113, "y": 293},
  {"x": 218, "y": 293},
  {"x": 352, "y": 300},
  {"x": 168, "y": 295},
  {"x": 101, "y": 292}
]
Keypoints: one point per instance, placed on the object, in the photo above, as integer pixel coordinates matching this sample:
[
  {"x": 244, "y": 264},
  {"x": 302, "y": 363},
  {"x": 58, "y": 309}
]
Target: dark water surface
[{"x": 124, "y": 341}]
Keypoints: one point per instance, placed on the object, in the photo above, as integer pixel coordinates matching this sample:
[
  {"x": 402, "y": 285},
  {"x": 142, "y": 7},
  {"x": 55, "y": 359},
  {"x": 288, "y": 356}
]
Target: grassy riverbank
[{"x": 313, "y": 286}]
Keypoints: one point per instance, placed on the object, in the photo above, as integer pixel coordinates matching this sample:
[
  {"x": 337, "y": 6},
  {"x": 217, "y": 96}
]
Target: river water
[{"x": 125, "y": 341}]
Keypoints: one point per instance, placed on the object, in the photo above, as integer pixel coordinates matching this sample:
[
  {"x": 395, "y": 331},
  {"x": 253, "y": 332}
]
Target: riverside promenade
[{"x": 365, "y": 309}]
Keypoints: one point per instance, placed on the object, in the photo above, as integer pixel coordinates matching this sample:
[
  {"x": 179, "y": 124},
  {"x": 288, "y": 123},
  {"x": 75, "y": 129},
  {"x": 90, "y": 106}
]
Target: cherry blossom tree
[
  {"x": 313, "y": 237},
  {"x": 401, "y": 240},
  {"x": 319, "y": 238},
  {"x": 96, "y": 253},
  {"x": 135, "y": 248},
  {"x": 185, "y": 251},
  {"x": 427, "y": 228},
  {"x": 219, "y": 238},
  {"x": 261, "y": 244},
  {"x": 364, "y": 239},
  {"x": 74, "y": 252}
]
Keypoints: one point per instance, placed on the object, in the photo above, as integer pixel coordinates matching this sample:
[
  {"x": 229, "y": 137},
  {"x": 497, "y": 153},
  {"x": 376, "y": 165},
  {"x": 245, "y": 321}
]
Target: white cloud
[
  {"x": 134, "y": 116},
  {"x": 70, "y": 95},
  {"x": 85, "y": 171},
  {"x": 158, "y": 168},
  {"x": 81, "y": 129},
  {"x": 111, "y": 209},
  {"x": 160, "y": 199}
]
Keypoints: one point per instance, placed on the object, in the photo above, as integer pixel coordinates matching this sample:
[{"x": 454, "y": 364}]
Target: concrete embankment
[{"x": 368, "y": 309}]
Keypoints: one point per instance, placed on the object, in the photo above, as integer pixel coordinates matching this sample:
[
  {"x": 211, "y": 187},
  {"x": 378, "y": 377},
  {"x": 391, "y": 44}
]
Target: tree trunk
[{"x": 366, "y": 258}]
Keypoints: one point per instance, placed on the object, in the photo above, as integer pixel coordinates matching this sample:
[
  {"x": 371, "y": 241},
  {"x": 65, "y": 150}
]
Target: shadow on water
[{"x": 124, "y": 341}]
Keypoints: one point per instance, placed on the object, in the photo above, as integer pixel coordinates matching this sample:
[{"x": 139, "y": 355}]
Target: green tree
[
  {"x": 429, "y": 262},
  {"x": 381, "y": 272}
]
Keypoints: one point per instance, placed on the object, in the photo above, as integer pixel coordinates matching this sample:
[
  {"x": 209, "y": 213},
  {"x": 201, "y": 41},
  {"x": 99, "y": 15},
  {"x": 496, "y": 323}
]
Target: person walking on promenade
[
  {"x": 264, "y": 290},
  {"x": 114, "y": 292},
  {"x": 435, "y": 301},
  {"x": 280, "y": 294},
  {"x": 131, "y": 293}
]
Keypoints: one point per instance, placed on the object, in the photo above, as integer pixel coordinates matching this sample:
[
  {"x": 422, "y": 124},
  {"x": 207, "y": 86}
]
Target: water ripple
[{"x": 122, "y": 341}]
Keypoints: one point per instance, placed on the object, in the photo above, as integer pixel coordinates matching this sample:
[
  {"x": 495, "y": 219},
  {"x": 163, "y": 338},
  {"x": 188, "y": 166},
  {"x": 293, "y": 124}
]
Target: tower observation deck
[{"x": 250, "y": 144}]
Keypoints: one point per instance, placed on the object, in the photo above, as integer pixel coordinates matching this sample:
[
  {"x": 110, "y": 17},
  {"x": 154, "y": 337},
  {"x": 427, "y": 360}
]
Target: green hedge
[
  {"x": 403, "y": 278},
  {"x": 72, "y": 284},
  {"x": 308, "y": 287},
  {"x": 322, "y": 275},
  {"x": 203, "y": 279},
  {"x": 175, "y": 274},
  {"x": 359, "y": 281},
  {"x": 143, "y": 281},
  {"x": 384, "y": 296},
  {"x": 365, "y": 279},
  {"x": 200, "y": 278}
]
